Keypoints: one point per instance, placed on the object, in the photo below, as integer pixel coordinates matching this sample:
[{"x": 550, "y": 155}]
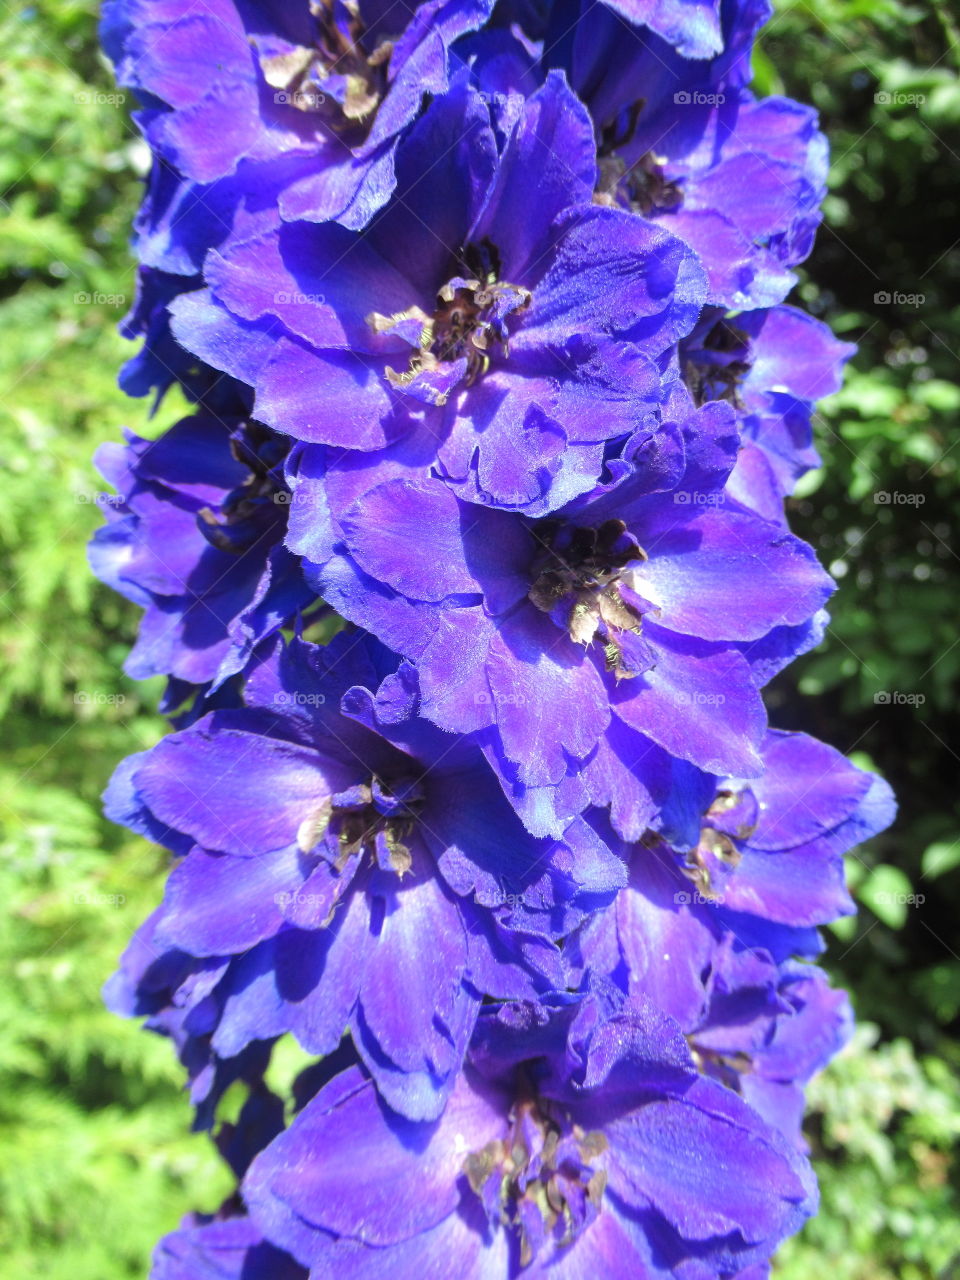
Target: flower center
[
  {"x": 715, "y": 369},
  {"x": 337, "y": 78},
  {"x": 583, "y": 580},
  {"x": 726, "y": 1068},
  {"x": 469, "y": 321},
  {"x": 539, "y": 1180},
  {"x": 730, "y": 819},
  {"x": 248, "y": 512},
  {"x": 370, "y": 818},
  {"x": 642, "y": 187}
]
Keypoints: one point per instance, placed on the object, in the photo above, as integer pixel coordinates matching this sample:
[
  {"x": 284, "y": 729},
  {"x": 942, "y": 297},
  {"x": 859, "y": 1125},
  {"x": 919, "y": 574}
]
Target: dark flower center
[
  {"x": 254, "y": 510},
  {"x": 642, "y": 187},
  {"x": 340, "y": 79},
  {"x": 539, "y": 1179},
  {"x": 372, "y": 818},
  {"x": 469, "y": 322},
  {"x": 731, "y": 819},
  {"x": 726, "y": 1068},
  {"x": 470, "y": 319},
  {"x": 582, "y": 579},
  {"x": 715, "y": 369}
]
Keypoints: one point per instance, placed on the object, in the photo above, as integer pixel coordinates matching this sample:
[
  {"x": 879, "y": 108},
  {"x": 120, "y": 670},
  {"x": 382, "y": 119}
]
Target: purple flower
[
  {"x": 571, "y": 33},
  {"x": 596, "y": 643},
  {"x": 177, "y": 995},
  {"x": 740, "y": 180},
  {"x": 351, "y": 866},
  {"x": 577, "y": 1142},
  {"x": 767, "y": 1030},
  {"x": 636, "y": 79},
  {"x": 227, "y": 1249},
  {"x": 772, "y": 366},
  {"x": 763, "y": 870},
  {"x": 682, "y": 141},
  {"x": 520, "y": 338},
  {"x": 231, "y": 87},
  {"x": 196, "y": 537}
]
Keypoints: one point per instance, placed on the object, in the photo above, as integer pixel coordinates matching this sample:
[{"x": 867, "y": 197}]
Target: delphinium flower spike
[{"x": 467, "y": 568}]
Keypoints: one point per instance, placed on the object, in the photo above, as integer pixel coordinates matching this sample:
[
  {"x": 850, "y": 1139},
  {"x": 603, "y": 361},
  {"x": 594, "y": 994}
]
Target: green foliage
[
  {"x": 98, "y": 1158},
  {"x": 884, "y": 76},
  {"x": 883, "y": 1125},
  {"x": 95, "y": 1130}
]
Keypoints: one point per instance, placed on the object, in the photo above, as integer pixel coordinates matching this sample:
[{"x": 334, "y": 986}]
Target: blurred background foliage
[{"x": 98, "y": 1158}]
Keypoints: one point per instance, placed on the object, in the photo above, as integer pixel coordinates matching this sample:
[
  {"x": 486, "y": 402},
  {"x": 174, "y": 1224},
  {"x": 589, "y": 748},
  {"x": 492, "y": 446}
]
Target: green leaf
[{"x": 940, "y": 857}]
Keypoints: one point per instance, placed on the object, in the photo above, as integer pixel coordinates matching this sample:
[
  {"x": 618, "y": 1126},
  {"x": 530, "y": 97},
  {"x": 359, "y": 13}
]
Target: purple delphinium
[
  {"x": 764, "y": 869},
  {"x": 681, "y": 140},
  {"x": 480, "y": 308},
  {"x": 366, "y": 868},
  {"x": 195, "y": 536},
  {"x": 222, "y": 1249},
  {"x": 520, "y": 336},
  {"x": 230, "y": 87},
  {"x": 772, "y": 366},
  {"x": 766, "y": 1030},
  {"x": 629, "y": 618},
  {"x": 578, "y": 1141},
  {"x": 741, "y": 181}
]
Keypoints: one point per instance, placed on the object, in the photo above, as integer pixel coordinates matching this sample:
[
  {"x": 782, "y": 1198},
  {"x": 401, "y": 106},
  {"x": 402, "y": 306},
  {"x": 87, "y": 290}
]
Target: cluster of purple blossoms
[{"x": 466, "y": 570}]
